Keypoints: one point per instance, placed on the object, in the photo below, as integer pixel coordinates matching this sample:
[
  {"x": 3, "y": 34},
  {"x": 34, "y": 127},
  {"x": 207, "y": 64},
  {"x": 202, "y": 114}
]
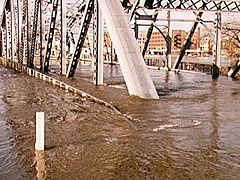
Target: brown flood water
[{"x": 192, "y": 132}]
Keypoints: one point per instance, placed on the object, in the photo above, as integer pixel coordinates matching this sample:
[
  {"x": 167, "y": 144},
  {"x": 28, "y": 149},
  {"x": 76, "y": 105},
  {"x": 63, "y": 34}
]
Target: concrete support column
[
  {"x": 42, "y": 34},
  {"x": 216, "y": 64},
  {"x": 63, "y": 37},
  {"x": 169, "y": 38}
]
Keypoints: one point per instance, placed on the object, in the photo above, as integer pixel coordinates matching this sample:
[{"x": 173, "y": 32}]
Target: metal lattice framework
[
  {"x": 195, "y": 5},
  {"x": 51, "y": 34},
  {"x": 23, "y": 35},
  {"x": 81, "y": 37},
  {"x": 34, "y": 32},
  {"x": 77, "y": 16}
]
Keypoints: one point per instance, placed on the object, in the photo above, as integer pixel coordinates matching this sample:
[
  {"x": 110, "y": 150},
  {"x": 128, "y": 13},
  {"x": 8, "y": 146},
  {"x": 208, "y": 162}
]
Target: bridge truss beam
[
  {"x": 42, "y": 34},
  {"x": 34, "y": 32},
  {"x": 51, "y": 34},
  {"x": 63, "y": 37},
  {"x": 88, "y": 12},
  {"x": 98, "y": 49},
  {"x": 136, "y": 77},
  {"x": 196, "y": 5},
  {"x": 233, "y": 72},
  {"x": 186, "y": 44},
  {"x": 23, "y": 30},
  {"x": 149, "y": 35}
]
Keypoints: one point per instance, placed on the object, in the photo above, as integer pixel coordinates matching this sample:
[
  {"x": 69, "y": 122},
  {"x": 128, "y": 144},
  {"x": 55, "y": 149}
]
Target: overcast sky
[{"x": 182, "y": 15}]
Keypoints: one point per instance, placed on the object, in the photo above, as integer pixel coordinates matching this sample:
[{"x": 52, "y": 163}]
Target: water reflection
[
  {"x": 9, "y": 160},
  {"x": 213, "y": 148},
  {"x": 214, "y": 119},
  {"x": 40, "y": 165}
]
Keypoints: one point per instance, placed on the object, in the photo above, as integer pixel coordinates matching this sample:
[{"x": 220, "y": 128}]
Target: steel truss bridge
[{"x": 28, "y": 25}]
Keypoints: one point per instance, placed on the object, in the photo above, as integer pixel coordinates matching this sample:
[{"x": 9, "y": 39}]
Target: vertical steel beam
[
  {"x": 63, "y": 38},
  {"x": 136, "y": 29},
  {"x": 8, "y": 41},
  {"x": 19, "y": 29},
  {"x": 15, "y": 22},
  {"x": 23, "y": 29},
  {"x": 51, "y": 35},
  {"x": 187, "y": 43},
  {"x": 34, "y": 33},
  {"x": 169, "y": 42},
  {"x": 2, "y": 39},
  {"x": 12, "y": 31},
  {"x": 99, "y": 36},
  {"x": 7, "y": 37},
  {"x": 216, "y": 64},
  {"x": 28, "y": 34},
  {"x": 111, "y": 56},
  {"x": 42, "y": 34},
  {"x": 1, "y": 42}
]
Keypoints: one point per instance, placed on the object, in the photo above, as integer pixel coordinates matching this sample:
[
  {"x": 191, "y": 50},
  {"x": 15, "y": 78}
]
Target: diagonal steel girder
[
  {"x": 85, "y": 22},
  {"x": 233, "y": 72},
  {"x": 186, "y": 44},
  {"x": 51, "y": 35},
  {"x": 196, "y": 5},
  {"x": 149, "y": 34}
]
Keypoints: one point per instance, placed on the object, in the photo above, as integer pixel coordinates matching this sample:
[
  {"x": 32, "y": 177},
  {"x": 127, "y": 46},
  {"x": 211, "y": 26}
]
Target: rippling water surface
[
  {"x": 9, "y": 166},
  {"x": 192, "y": 132}
]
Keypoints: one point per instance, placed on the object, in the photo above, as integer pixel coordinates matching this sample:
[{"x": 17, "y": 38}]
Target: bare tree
[{"x": 231, "y": 39}]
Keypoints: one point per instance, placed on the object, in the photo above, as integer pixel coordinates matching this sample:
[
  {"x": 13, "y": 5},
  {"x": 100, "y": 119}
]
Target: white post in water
[{"x": 39, "y": 146}]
